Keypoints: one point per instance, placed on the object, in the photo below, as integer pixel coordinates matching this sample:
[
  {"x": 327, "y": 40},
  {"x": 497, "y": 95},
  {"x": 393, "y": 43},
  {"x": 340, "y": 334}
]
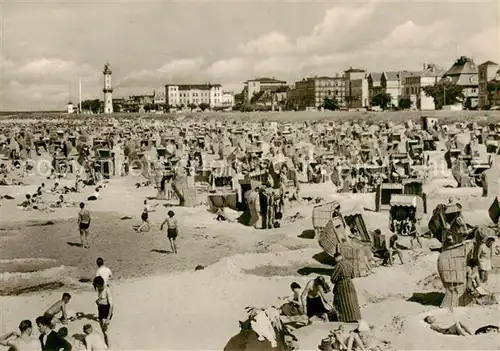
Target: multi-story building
[
  {"x": 227, "y": 99},
  {"x": 392, "y": 84},
  {"x": 493, "y": 88},
  {"x": 374, "y": 85},
  {"x": 186, "y": 95},
  {"x": 356, "y": 88},
  {"x": 487, "y": 72},
  {"x": 159, "y": 98},
  {"x": 258, "y": 86},
  {"x": 464, "y": 73},
  {"x": 312, "y": 92},
  {"x": 119, "y": 104},
  {"x": 413, "y": 85}
]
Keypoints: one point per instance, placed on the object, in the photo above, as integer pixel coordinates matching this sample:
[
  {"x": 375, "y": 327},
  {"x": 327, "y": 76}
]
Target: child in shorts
[{"x": 172, "y": 232}]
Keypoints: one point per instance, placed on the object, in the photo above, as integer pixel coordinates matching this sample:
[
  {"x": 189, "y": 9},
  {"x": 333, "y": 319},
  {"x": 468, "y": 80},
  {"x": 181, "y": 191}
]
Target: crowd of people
[
  {"x": 59, "y": 316},
  {"x": 263, "y": 165}
]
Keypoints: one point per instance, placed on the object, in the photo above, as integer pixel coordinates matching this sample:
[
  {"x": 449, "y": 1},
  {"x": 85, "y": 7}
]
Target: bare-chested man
[
  {"x": 59, "y": 308},
  {"x": 83, "y": 225},
  {"x": 23, "y": 341}
]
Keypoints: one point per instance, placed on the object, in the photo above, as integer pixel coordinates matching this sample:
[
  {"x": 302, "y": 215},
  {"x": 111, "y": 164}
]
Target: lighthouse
[{"x": 107, "y": 90}]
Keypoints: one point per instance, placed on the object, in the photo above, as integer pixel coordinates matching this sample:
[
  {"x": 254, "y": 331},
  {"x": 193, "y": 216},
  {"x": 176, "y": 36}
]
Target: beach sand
[{"x": 163, "y": 304}]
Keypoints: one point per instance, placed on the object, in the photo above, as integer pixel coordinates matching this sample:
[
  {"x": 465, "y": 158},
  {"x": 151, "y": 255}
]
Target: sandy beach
[{"x": 162, "y": 302}]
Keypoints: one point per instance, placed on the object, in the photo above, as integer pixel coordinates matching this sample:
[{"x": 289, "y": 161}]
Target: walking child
[
  {"x": 146, "y": 225},
  {"x": 171, "y": 222}
]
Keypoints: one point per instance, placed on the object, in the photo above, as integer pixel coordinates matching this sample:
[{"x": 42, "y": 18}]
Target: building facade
[
  {"x": 392, "y": 83},
  {"x": 464, "y": 73},
  {"x": 255, "y": 87},
  {"x": 413, "y": 85},
  {"x": 487, "y": 72},
  {"x": 227, "y": 99},
  {"x": 374, "y": 85},
  {"x": 356, "y": 87},
  {"x": 310, "y": 93},
  {"x": 186, "y": 95},
  {"x": 70, "y": 108},
  {"x": 159, "y": 98}
]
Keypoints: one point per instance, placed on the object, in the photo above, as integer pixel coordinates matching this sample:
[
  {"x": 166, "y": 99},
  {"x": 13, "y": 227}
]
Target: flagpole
[{"x": 80, "y": 85}]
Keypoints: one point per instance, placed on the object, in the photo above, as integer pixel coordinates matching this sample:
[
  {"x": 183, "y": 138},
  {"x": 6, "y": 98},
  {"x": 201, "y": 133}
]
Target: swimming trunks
[
  {"x": 172, "y": 233},
  {"x": 84, "y": 226},
  {"x": 103, "y": 311}
]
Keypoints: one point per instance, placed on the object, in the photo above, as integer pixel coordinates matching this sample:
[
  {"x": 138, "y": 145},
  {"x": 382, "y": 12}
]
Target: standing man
[
  {"x": 23, "y": 341},
  {"x": 49, "y": 339},
  {"x": 83, "y": 225},
  {"x": 103, "y": 271}
]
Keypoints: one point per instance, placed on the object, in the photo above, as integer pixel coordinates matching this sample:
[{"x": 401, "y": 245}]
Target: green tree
[
  {"x": 203, "y": 106},
  {"x": 382, "y": 100},
  {"x": 439, "y": 92},
  {"x": 256, "y": 97},
  {"x": 330, "y": 104},
  {"x": 92, "y": 105},
  {"x": 117, "y": 107},
  {"x": 404, "y": 103},
  {"x": 192, "y": 106},
  {"x": 148, "y": 107}
]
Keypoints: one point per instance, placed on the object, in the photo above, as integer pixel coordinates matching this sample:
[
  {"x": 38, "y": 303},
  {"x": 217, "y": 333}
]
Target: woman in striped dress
[{"x": 345, "y": 299}]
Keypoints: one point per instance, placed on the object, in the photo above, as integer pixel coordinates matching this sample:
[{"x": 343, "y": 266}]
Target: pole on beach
[{"x": 80, "y": 86}]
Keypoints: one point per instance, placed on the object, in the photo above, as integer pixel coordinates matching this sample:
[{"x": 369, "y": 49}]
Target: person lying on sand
[
  {"x": 96, "y": 195},
  {"x": 55, "y": 188},
  {"x": 27, "y": 204},
  {"x": 456, "y": 329},
  {"x": 23, "y": 341},
  {"x": 293, "y": 305},
  {"x": 59, "y": 308}
]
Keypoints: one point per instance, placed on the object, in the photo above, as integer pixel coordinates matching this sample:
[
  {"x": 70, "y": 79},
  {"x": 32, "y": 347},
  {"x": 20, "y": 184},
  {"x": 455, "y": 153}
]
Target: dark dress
[{"x": 345, "y": 298}]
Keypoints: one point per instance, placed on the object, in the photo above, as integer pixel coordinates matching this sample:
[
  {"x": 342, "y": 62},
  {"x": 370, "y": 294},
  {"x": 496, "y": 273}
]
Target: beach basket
[
  {"x": 452, "y": 263},
  {"x": 355, "y": 255},
  {"x": 494, "y": 211},
  {"x": 331, "y": 236},
  {"x": 189, "y": 195},
  {"x": 322, "y": 214}
]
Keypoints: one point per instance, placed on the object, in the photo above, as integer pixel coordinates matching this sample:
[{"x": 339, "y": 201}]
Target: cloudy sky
[{"x": 47, "y": 46}]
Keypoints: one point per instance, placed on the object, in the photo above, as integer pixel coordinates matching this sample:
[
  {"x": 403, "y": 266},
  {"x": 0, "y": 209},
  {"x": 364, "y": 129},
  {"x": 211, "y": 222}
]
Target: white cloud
[
  {"x": 410, "y": 35},
  {"x": 369, "y": 35},
  {"x": 274, "y": 43},
  {"x": 171, "y": 71},
  {"x": 51, "y": 71},
  {"x": 227, "y": 69},
  {"x": 334, "y": 30}
]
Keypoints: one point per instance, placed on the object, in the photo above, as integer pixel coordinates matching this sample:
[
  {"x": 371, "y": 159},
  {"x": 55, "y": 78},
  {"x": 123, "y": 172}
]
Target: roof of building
[
  {"x": 431, "y": 70},
  {"x": 463, "y": 65},
  {"x": 488, "y": 63},
  {"x": 266, "y": 80},
  {"x": 376, "y": 77},
  {"x": 463, "y": 72},
  {"x": 194, "y": 86},
  {"x": 355, "y": 70}
]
